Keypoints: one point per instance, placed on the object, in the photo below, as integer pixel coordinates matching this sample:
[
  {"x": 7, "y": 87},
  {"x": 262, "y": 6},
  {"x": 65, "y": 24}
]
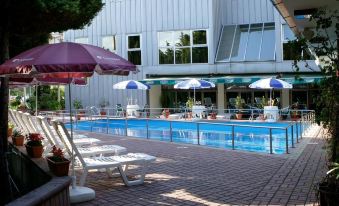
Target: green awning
[{"x": 237, "y": 80}]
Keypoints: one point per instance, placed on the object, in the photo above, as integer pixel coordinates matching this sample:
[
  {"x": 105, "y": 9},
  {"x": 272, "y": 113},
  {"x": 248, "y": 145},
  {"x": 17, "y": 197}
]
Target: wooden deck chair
[{"x": 108, "y": 163}]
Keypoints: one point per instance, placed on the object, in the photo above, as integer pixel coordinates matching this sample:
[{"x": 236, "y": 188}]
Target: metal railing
[{"x": 101, "y": 123}]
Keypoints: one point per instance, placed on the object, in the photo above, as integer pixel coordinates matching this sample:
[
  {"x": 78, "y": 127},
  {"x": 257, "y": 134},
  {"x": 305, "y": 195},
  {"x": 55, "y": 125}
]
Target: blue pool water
[{"x": 214, "y": 135}]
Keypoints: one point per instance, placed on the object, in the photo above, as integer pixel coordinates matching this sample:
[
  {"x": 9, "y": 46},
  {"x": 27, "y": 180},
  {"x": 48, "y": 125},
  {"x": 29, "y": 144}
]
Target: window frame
[
  {"x": 134, "y": 49},
  {"x": 174, "y": 47}
]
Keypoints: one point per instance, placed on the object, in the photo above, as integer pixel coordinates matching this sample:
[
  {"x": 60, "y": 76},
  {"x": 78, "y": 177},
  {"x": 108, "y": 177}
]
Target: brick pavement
[{"x": 197, "y": 175}]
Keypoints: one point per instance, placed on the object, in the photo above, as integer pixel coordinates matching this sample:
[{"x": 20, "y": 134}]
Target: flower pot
[
  {"x": 58, "y": 168},
  {"x": 239, "y": 116},
  {"x": 103, "y": 113},
  {"x": 9, "y": 131},
  {"x": 34, "y": 151},
  {"x": 18, "y": 141},
  {"x": 328, "y": 194}
]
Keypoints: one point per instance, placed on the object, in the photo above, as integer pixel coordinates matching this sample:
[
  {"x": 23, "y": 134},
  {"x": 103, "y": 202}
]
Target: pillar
[
  {"x": 154, "y": 98},
  {"x": 285, "y": 98},
  {"x": 221, "y": 98}
]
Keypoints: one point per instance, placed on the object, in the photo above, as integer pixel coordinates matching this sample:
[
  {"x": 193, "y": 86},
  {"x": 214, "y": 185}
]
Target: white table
[
  {"x": 198, "y": 110},
  {"x": 132, "y": 110},
  {"x": 271, "y": 113}
]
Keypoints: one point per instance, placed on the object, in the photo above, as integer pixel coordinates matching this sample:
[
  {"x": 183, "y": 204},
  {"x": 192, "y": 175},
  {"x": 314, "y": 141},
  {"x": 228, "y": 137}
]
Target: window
[
  {"x": 247, "y": 42},
  {"x": 81, "y": 40},
  {"x": 289, "y": 50},
  {"x": 134, "y": 49},
  {"x": 108, "y": 42},
  {"x": 183, "y": 47}
]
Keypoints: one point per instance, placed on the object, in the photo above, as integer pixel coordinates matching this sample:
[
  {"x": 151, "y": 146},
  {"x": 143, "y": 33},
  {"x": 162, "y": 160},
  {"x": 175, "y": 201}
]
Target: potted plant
[
  {"x": 10, "y": 129},
  {"x": 103, "y": 103},
  {"x": 57, "y": 163},
  {"x": 78, "y": 105},
  {"x": 34, "y": 146},
  {"x": 18, "y": 138},
  {"x": 238, "y": 105},
  {"x": 328, "y": 188}
]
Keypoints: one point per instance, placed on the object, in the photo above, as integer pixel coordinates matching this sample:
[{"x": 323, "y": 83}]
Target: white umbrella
[
  {"x": 194, "y": 84},
  {"x": 270, "y": 83},
  {"x": 131, "y": 84}
]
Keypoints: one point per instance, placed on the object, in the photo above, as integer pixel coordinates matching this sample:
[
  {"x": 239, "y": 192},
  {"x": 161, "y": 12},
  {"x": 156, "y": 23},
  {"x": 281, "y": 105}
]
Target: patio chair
[
  {"x": 285, "y": 113},
  {"x": 119, "y": 110},
  {"x": 207, "y": 102},
  {"x": 107, "y": 163}
]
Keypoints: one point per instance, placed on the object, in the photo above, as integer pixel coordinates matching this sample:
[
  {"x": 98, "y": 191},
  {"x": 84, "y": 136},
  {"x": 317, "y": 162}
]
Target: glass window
[
  {"x": 182, "y": 38},
  {"x": 133, "y": 42},
  {"x": 183, "y": 47},
  {"x": 81, "y": 40},
  {"x": 134, "y": 57},
  {"x": 182, "y": 56},
  {"x": 200, "y": 55},
  {"x": 254, "y": 41},
  {"x": 226, "y": 43},
  {"x": 134, "y": 49},
  {"x": 199, "y": 37},
  {"x": 267, "y": 51},
  {"x": 108, "y": 42},
  {"x": 240, "y": 41},
  {"x": 288, "y": 33},
  {"x": 165, "y": 39},
  {"x": 166, "y": 56}
]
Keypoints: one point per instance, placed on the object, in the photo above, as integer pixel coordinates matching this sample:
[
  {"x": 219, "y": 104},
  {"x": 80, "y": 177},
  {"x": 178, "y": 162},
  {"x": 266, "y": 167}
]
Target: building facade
[{"x": 229, "y": 42}]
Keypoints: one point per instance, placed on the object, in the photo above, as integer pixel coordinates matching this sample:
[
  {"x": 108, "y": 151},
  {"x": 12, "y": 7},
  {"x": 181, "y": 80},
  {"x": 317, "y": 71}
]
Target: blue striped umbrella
[
  {"x": 270, "y": 83},
  {"x": 131, "y": 84},
  {"x": 194, "y": 84}
]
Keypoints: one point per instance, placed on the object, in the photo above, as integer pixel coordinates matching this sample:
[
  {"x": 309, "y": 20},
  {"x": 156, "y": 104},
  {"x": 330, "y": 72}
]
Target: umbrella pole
[
  {"x": 194, "y": 94},
  {"x": 36, "y": 100},
  {"x": 270, "y": 97},
  {"x": 77, "y": 194}
]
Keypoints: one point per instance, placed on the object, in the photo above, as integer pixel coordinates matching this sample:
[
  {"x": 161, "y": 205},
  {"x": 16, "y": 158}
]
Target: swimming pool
[{"x": 249, "y": 136}]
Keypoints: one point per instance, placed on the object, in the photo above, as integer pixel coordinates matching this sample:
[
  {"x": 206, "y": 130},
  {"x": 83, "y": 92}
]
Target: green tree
[
  {"x": 323, "y": 41},
  {"x": 32, "y": 20}
]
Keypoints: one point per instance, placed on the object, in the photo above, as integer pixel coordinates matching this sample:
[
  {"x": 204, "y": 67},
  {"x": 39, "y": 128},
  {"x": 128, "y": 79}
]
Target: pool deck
[{"x": 197, "y": 175}]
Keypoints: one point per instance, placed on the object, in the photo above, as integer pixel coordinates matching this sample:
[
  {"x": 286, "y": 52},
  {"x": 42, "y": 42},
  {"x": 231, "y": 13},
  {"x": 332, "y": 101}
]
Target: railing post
[
  {"x": 233, "y": 137},
  {"x": 171, "y": 135},
  {"x": 292, "y": 137},
  {"x": 286, "y": 136},
  {"x": 296, "y": 130},
  {"x": 301, "y": 132},
  {"x": 126, "y": 125},
  {"x": 107, "y": 123},
  {"x": 198, "y": 133},
  {"x": 147, "y": 129},
  {"x": 271, "y": 140}
]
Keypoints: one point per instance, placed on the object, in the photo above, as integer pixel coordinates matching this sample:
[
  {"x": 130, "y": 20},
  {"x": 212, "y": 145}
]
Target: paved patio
[{"x": 196, "y": 175}]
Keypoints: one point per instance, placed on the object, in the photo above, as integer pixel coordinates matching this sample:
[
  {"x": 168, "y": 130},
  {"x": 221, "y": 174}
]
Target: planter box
[
  {"x": 35, "y": 151},
  {"x": 58, "y": 168}
]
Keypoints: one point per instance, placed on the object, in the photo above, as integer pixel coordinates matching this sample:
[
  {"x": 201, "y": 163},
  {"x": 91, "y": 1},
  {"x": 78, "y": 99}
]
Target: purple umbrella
[{"x": 67, "y": 60}]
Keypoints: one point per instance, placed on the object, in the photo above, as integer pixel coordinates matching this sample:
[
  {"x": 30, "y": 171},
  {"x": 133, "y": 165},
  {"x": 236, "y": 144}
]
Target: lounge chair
[
  {"x": 119, "y": 110},
  {"x": 52, "y": 135},
  {"x": 107, "y": 163},
  {"x": 13, "y": 119}
]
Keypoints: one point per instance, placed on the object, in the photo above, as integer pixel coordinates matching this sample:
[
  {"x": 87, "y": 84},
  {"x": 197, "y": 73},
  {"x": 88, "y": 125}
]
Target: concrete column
[
  {"x": 154, "y": 98},
  {"x": 221, "y": 98},
  {"x": 285, "y": 98}
]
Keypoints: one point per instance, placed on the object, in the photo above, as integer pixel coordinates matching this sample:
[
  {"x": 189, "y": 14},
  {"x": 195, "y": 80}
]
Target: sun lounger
[
  {"x": 108, "y": 163},
  {"x": 52, "y": 135}
]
